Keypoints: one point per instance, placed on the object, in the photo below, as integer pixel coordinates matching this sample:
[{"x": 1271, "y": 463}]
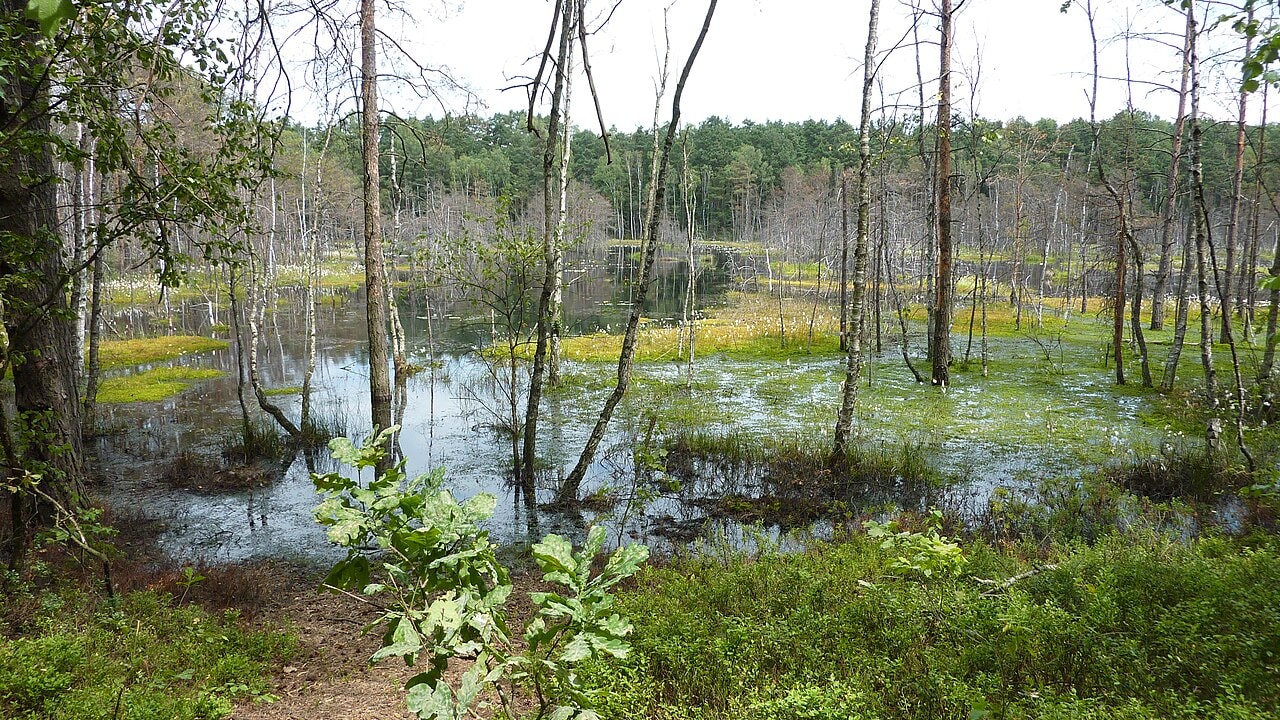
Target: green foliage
[
  {"x": 919, "y": 553},
  {"x": 411, "y": 542},
  {"x": 1138, "y": 626},
  {"x": 50, "y": 14},
  {"x": 142, "y": 658}
]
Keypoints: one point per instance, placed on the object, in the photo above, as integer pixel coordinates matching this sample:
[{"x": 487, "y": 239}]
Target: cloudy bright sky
[{"x": 792, "y": 60}]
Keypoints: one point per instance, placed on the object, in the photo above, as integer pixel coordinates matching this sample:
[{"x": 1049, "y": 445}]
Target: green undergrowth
[
  {"x": 152, "y": 385},
  {"x": 141, "y": 351},
  {"x": 1136, "y": 626},
  {"x": 72, "y": 656}
]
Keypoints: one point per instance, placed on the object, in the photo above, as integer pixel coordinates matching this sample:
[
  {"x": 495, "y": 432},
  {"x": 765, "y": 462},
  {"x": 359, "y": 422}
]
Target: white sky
[{"x": 792, "y": 60}]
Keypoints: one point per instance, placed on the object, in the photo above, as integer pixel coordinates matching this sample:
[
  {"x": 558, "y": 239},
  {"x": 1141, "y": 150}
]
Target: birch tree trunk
[
  {"x": 853, "y": 353},
  {"x": 550, "y": 247}
]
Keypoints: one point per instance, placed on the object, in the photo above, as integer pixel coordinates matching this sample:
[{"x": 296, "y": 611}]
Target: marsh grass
[
  {"x": 152, "y": 385},
  {"x": 791, "y": 481},
  {"x": 747, "y": 327},
  {"x": 261, "y": 440},
  {"x": 142, "y": 351}
]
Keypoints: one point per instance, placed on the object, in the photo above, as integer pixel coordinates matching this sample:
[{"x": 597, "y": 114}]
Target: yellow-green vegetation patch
[
  {"x": 140, "y": 351},
  {"x": 152, "y": 385},
  {"x": 291, "y": 390},
  {"x": 755, "y": 326}
]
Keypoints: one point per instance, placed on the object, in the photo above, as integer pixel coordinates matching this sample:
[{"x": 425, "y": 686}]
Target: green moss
[
  {"x": 291, "y": 390},
  {"x": 152, "y": 385},
  {"x": 141, "y": 351}
]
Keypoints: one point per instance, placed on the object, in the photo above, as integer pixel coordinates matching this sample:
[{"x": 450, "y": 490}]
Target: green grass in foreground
[
  {"x": 79, "y": 657},
  {"x": 152, "y": 385},
  {"x": 140, "y": 351},
  {"x": 1134, "y": 627}
]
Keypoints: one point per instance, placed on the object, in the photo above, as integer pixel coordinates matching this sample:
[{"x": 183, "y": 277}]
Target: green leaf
[
  {"x": 555, "y": 556},
  {"x": 431, "y": 702},
  {"x": 50, "y": 14},
  {"x": 349, "y": 574},
  {"x": 404, "y": 640},
  {"x": 1271, "y": 283},
  {"x": 577, "y": 650},
  {"x": 563, "y": 712}
]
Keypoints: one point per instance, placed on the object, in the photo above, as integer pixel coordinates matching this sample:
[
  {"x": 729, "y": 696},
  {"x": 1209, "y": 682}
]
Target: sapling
[{"x": 420, "y": 556}]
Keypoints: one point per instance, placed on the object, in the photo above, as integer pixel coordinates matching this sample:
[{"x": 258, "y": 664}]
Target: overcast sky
[{"x": 793, "y": 60}]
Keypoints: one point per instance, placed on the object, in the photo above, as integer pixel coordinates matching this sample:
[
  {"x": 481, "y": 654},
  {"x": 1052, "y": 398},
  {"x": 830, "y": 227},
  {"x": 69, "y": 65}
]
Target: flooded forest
[{"x": 915, "y": 415}]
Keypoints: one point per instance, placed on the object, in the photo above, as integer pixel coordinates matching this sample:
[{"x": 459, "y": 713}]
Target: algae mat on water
[{"x": 152, "y": 385}]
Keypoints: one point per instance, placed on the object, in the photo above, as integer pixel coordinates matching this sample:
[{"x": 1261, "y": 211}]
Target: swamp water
[{"x": 1028, "y": 420}]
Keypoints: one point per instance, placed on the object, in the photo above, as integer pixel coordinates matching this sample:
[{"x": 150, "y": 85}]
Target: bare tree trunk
[
  {"x": 1165, "y": 266},
  {"x": 94, "y": 363},
  {"x": 1249, "y": 263},
  {"x": 556, "y": 308},
  {"x": 1135, "y": 318},
  {"x": 1267, "y": 373},
  {"x": 689, "y": 321},
  {"x": 569, "y": 489},
  {"x": 941, "y": 339},
  {"x": 844, "y": 262},
  {"x": 257, "y": 312},
  {"x": 1200, "y": 221},
  {"x": 374, "y": 263},
  {"x": 853, "y": 365},
  {"x": 902, "y": 324},
  {"x": 1226, "y": 285},
  {"x": 399, "y": 351},
  {"x": 550, "y": 242},
  {"x": 1180, "y": 313}
]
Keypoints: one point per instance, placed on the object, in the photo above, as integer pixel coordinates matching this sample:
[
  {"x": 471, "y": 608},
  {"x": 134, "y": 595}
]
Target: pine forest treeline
[{"x": 1022, "y": 191}]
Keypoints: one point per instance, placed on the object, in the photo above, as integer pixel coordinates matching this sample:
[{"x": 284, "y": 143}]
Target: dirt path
[{"x": 330, "y": 676}]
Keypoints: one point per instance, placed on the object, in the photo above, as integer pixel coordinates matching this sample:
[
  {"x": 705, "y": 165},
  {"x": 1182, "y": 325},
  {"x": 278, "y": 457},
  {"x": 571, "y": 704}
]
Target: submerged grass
[
  {"x": 792, "y": 481},
  {"x": 152, "y": 385},
  {"x": 141, "y": 351},
  {"x": 1137, "y": 626}
]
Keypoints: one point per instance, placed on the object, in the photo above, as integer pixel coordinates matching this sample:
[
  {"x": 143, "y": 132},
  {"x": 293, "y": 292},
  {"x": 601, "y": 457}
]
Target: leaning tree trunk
[
  {"x": 853, "y": 352},
  {"x": 626, "y": 360},
  {"x": 1181, "y": 310}
]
